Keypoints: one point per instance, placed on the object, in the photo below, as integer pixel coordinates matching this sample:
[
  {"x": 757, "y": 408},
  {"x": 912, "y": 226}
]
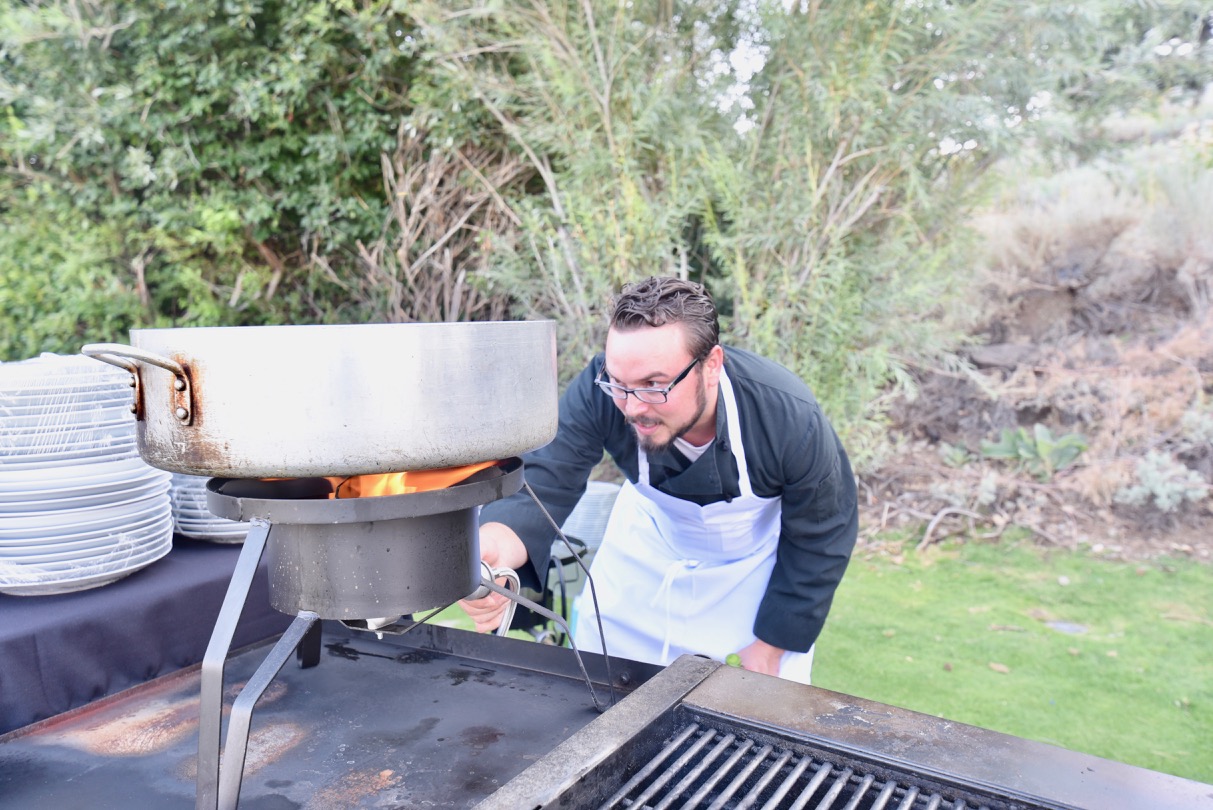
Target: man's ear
[{"x": 713, "y": 364}]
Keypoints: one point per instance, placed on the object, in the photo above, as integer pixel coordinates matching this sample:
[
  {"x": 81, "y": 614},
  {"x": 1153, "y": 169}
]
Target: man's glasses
[{"x": 649, "y": 396}]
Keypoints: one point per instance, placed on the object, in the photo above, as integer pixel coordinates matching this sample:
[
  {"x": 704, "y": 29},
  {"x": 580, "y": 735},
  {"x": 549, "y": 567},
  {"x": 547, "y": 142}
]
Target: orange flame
[{"x": 400, "y": 483}]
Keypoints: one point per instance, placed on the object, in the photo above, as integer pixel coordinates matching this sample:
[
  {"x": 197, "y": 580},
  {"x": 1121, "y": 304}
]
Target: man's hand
[
  {"x": 500, "y": 547},
  {"x": 761, "y": 657}
]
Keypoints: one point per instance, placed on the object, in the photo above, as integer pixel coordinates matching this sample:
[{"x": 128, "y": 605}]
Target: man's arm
[
  {"x": 819, "y": 526},
  {"x": 514, "y": 532}
]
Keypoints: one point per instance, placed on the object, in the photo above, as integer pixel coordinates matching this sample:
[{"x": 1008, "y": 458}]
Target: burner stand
[{"x": 356, "y": 559}]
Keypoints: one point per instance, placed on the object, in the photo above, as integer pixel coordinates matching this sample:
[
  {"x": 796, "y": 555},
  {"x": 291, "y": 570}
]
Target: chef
[{"x": 739, "y": 512}]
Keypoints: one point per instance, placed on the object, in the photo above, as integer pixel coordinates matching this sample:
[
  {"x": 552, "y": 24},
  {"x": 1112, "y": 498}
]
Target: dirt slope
[{"x": 1096, "y": 325}]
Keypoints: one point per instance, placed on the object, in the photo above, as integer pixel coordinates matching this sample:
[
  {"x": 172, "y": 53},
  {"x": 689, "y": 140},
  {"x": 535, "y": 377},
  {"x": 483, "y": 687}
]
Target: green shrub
[
  {"x": 1164, "y": 483},
  {"x": 219, "y": 163},
  {"x": 1037, "y": 452}
]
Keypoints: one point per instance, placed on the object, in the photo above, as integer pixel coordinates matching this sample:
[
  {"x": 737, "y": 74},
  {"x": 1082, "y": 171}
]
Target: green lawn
[{"x": 1114, "y": 659}]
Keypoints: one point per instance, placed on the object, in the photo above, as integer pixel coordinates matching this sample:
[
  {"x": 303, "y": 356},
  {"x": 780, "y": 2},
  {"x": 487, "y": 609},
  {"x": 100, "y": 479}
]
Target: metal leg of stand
[
  {"x": 308, "y": 651},
  {"x": 210, "y": 709},
  {"x": 236, "y": 747}
]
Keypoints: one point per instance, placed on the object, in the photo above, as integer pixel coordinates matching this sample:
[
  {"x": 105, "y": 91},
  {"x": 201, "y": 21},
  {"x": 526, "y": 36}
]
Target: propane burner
[
  {"x": 366, "y": 560},
  {"x": 370, "y": 556}
]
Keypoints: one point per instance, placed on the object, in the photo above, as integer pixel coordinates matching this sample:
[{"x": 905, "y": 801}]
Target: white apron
[{"x": 674, "y": 577}]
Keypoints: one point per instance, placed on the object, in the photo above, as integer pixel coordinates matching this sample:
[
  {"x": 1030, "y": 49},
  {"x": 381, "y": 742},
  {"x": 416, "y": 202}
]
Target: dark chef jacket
[{"x": 792, "y": 452}]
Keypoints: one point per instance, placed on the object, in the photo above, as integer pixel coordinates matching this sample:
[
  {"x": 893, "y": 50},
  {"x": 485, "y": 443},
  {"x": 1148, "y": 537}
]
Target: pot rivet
[
  {"x": 133, "y": 382},
  {"x": 182, "y": 413},
  {"x": 179, "y": 384},
  {"x": 134, "y": 408}
]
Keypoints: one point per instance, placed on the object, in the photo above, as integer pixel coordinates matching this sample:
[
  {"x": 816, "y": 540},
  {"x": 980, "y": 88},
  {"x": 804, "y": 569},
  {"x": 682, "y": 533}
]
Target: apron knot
[{"x": 663, "y": 593}]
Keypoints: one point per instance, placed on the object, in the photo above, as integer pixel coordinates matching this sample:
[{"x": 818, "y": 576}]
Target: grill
[
  {"x": 446, "y": 718},
  {"x": 713, "y": 764},
  {"x": 703, "y": 735},
  {"x": 367, "y": 561}
]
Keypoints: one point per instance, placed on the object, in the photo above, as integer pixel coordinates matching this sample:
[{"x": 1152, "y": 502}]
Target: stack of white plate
[
  {"x": 192, "y": 518},
  {"x": 78, "y": 507}
]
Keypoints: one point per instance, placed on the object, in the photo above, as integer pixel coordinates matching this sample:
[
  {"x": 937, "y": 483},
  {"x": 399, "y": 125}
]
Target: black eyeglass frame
[{"x": 616, "y": 391}]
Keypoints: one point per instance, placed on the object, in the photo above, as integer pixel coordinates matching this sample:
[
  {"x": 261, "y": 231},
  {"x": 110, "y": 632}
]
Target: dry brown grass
[
  {"x": 1094, "y": 318},
  {"x": 445, "y": 206}
]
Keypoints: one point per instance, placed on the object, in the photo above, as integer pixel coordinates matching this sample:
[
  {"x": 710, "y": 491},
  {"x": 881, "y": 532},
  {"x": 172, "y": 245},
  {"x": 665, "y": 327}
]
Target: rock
[{"x": 1001, "y": 355}]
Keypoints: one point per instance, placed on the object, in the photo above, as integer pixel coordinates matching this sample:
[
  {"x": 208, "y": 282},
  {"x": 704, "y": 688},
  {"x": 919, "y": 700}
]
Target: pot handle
[
  {"x": 116, "y": 354},
  {"x": 128, "y": 358}
]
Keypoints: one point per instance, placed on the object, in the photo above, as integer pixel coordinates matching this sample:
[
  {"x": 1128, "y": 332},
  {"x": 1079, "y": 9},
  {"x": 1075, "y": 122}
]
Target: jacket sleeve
[
  {"x": 819, "y": 526},
  {"x": 557, "y": 473}
]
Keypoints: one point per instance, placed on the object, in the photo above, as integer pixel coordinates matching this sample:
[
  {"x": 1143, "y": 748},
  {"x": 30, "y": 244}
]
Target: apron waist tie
[{"x": 674, "y": 570}]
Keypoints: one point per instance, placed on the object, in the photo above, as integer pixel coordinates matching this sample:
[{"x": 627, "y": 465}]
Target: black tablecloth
[{"x": 60, "y": 652}]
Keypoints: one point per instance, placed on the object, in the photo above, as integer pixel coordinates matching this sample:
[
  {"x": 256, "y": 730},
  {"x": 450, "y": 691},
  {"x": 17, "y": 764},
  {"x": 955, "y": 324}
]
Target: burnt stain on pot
[
  {"x": 199, "y": 449},
  {"x": 182, "y": 394}
]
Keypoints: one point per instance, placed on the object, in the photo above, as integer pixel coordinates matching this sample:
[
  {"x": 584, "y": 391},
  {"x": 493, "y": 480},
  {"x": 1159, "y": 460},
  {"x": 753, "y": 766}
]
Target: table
[{"x": 64, "y": 651}]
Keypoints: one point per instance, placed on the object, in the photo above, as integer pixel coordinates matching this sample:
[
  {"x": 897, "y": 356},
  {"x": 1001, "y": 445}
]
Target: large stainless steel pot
[{"x": 268, "y": 401}]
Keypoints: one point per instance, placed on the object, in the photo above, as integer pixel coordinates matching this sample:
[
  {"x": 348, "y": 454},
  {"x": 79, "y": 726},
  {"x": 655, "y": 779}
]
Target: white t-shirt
[{"x": 691, "y": 451}]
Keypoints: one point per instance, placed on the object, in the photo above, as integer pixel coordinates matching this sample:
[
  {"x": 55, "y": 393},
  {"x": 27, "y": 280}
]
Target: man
[{"x": 739, "y": 513}]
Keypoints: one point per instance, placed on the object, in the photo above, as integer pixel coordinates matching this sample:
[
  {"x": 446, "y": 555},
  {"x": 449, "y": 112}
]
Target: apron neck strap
[{"x": 732, "y": 418}]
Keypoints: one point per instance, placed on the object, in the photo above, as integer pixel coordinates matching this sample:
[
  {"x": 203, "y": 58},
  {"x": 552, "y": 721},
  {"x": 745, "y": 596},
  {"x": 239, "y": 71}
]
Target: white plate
[
  {"x": 196, "y": 513},
  {"x": 70, "y": 525},
  {"x": 214, "y": 538},
  {"x": 66, "y": 477},
  {"x": 11, "y": 550},
  {"x": 56, "y": 394},
  {"x": 155, "y": 493},
  {"x": 226, "y": 527},
  {"x": 67, "y": 423},
  {"x": 132, "y": 543},
  {"x": 81, "y": 501},
  {"x": 81, "y": 583},
  {"x": 46, "y": 380},
  {"x": 13, "y": 415},
  {"x": 88, "y": 439},
  {"x": 48, "y": 369},
  {"x": 113, "y": 398},
  {"x": 189, "y": 497},
  {"x": 32, "y": 432},
  {"x": 113, "y": 559},
  {"x": 223, "y": 529},
  {"x": 25, "y": 457},
  {"x": 119, "y": 546},
  {"x": 195, "y": 530},
  {"x": 191, "y": 510},
  {"x": 52, "y": 448},
  {"x": 47, "y": 464},
  {"x": 8, "y": 545},
  {"x": 11, "y": 500}
]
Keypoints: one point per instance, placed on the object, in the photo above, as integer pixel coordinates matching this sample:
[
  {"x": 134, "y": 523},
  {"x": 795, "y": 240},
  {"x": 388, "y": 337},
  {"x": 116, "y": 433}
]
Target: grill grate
[{"x": 762, "y": 776}]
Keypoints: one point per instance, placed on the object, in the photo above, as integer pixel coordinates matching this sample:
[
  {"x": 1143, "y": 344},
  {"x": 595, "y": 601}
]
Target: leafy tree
[
  {"x": 219, "y": 163},
  {"x": 822, "y": 200},
  {"x": 264, "y": 161},
  {"x": 610, "y": 105}
]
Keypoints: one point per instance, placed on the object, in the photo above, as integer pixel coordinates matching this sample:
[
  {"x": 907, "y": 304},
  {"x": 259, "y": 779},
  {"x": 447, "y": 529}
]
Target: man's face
[{"x": 652, "y": 357}]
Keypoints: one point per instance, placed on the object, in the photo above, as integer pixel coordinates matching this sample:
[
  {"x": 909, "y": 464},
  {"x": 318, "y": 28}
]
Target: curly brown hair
[{"x": 661, "y": 300}]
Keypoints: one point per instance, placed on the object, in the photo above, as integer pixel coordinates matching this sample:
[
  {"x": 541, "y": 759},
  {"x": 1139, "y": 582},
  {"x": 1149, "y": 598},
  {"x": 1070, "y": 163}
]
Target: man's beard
[{"x": 648, "y": 444}]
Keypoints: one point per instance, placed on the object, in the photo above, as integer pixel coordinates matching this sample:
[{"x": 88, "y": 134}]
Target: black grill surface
[
  {"x": 435, "y": 718},
  {"x": 706, "y": 764},
  {"x": 707, "y": 736}
]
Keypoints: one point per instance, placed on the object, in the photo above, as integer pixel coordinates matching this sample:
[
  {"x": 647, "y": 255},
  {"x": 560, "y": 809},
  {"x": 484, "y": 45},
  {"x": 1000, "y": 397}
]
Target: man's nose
[{"x": 632, "y": 406}]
